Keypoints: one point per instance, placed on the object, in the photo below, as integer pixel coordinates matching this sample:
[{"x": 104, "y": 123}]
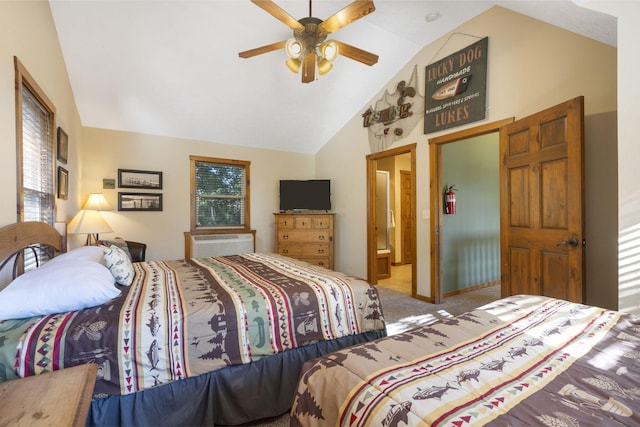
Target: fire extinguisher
[{"x": 450, "y": 200}]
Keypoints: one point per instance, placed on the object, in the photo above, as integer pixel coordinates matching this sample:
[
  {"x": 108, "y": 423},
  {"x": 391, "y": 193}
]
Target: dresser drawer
[
  {"x": 309, "y": 249},
  {"x": 304, "y": 222},
  {"x": 285, "y": 222},
  {"x": 322, "y": 222},
  {"x": 321, "y": 262},
  {"x": 300, "y": 236}
]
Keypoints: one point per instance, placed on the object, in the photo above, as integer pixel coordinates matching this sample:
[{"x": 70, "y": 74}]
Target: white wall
[
  {"x": 531, "y": 66},
  {"x": 107, "y": 151},
  {"x": 27, "y": 32}
]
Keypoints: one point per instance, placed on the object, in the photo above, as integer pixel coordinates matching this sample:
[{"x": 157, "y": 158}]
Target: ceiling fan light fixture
[
  {"x": 329, "y": 50},
  {"x": 294, "y": 48},
  {"x": 293, "y": 64},
  {"x": 307, "y": 49}
]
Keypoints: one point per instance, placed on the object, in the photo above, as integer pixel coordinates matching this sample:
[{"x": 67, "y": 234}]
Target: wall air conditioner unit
[{"x": 221, "y": 244}]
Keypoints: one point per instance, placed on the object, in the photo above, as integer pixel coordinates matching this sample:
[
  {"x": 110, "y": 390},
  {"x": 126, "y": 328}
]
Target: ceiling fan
[{"x": 309, "y": 46}]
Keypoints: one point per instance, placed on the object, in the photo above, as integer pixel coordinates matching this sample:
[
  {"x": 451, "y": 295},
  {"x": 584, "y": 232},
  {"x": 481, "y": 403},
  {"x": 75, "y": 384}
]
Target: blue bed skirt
[{"x": 223, "y": 397}]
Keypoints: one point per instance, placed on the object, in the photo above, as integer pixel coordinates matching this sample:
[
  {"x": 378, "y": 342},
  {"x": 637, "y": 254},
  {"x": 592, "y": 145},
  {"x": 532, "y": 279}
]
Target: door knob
[{"x": 571, "y": 242}]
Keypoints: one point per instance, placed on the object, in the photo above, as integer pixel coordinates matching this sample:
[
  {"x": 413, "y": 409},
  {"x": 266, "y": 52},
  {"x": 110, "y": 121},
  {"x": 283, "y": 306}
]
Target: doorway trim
[
  {"x": 372, "y": 255},
  {"x": 435, "y": 197}
]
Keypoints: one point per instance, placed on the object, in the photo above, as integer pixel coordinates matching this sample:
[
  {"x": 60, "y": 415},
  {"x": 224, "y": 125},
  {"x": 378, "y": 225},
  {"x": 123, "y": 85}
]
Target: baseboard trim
[{"x": 471, "y": 288}]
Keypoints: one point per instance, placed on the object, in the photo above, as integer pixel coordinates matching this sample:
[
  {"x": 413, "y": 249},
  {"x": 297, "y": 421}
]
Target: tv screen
[{"x": 313, "y": 195}]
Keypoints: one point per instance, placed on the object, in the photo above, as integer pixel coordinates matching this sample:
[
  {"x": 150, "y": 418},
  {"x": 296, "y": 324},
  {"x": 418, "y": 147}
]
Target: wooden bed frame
[
  {"x": 21, "y": 236},
  {"x": 15, "y": 237}
]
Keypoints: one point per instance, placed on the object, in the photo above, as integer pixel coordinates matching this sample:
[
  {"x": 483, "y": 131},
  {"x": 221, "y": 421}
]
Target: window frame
[
  {"x": 24, "y": 79},
  {"x": 193, "y": 185}
]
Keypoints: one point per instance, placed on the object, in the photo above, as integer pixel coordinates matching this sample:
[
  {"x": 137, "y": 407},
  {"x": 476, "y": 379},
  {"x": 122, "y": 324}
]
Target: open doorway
[
  {"x": 391, "y": 219},
  {"x": 464, "y": 240}
]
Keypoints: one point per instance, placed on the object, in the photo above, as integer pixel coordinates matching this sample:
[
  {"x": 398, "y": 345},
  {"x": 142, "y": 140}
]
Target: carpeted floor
[{"x": 401, "y": 313}]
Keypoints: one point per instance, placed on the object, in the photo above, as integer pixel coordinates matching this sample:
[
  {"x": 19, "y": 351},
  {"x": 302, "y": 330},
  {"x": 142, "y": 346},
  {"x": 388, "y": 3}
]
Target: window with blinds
[
  {"x": 35, "y": 153},
  {"x": 220, "y": 193},
  {"x": 37, "y": 160},
  {"x": 35, "y": 124}
]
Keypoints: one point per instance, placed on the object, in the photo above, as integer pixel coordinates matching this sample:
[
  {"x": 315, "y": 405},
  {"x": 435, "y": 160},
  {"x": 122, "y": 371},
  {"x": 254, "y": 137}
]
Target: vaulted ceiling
[{"x": 171, "y": 67}]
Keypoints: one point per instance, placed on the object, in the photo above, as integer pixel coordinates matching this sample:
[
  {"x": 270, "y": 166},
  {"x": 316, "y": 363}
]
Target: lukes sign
[{"x": 455, "y": 90}]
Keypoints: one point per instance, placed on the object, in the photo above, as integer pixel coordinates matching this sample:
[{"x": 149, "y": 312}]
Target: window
[
  {"x": 35, "y": 124},
  {"x": 219, "y": 193}
]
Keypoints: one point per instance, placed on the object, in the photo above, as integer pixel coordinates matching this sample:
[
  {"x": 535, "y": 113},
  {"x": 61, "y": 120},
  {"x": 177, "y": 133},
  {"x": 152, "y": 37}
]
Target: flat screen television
[{"x": 305, "y": 195}]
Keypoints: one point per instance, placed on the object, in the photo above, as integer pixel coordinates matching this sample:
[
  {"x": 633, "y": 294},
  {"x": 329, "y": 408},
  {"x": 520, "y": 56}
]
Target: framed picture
[
  {"x": 63, "y": 146},
  {"x": 128, "y": 178},
  {"x": 139, "y": 201},
  {"x": 63, "y": 183}
]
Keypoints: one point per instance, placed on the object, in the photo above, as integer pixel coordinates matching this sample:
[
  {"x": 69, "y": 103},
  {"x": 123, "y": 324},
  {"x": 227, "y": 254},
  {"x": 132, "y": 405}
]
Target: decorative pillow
[
  {"x": 119, "y": 242},
  {"x": 88, "y": 253},
  {"x": 119, "y": 264},
  {"x": 57, "y": 288}
]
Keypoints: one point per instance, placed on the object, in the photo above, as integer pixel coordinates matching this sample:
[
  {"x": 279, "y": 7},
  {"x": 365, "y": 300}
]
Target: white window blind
[
  {"x": 221, "y": 194},
  {"x": 37, "y": 160},
  {"x": 35, "y": 122}
]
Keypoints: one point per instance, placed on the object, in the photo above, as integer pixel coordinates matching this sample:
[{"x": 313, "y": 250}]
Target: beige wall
[
  {"x": 107, "y": 151},
  {"x": 531, "y": 66},
  {"x": 27, "y": 32}
]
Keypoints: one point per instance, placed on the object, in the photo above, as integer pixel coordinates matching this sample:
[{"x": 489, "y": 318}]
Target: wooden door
[
  {"x": 406, "y": 213},
  {"x": 542, "y": 203}
]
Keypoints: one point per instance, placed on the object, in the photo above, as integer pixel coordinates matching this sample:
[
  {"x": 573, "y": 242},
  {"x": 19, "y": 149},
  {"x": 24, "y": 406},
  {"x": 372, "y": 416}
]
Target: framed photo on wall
[
  {"x": 139, "y": 201},
  {"x": 129, "y": 178},
  {"x": 63, "y": 183},
  {"x": 63, "y": 146}
]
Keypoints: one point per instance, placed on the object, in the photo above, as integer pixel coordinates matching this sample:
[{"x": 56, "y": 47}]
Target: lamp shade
[
  {"x": 294, "y": 48},
  {"x": 329, "y": 50},
  {"x": 97, "y": 202},
  {"x": 88, "y": 222},
  {"x": 324, "y": 66},
  {"x": 293, "y": 64}
]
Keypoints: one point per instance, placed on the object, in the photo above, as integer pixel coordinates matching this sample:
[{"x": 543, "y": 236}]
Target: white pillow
[
  {"x": 57, "y": 288},
  {"x": 90, "y": 253},
  {"x": 119, "y": 263}
]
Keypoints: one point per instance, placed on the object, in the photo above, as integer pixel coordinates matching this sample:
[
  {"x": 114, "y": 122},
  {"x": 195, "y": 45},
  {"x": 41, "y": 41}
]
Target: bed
[
  {"x": 185, "y": 342},
  {"x": 520, "y": 361}
]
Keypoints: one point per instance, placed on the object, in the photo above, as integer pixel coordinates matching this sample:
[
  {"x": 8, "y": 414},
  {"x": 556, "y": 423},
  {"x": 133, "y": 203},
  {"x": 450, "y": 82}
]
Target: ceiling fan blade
[
  {"x": 347, "y": 15},
  {"x": 356, "y": 54},
  {"x": 263, "y": 49},
  {"x": 277, "y": 12},
  {"x": 309, "y": 67}
]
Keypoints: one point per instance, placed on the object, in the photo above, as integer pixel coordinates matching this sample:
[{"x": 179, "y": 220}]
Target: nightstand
[{"x": 59, "y": 398}]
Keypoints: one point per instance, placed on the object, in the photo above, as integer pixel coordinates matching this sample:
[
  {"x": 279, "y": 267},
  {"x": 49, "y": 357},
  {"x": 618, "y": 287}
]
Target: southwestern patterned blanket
[
  {"x": 183, "y": 318},
  {"x": 521, "y": 361}
]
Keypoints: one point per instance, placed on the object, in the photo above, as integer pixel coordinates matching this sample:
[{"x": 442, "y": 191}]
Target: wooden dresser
[{"x": 306, "y": 236}]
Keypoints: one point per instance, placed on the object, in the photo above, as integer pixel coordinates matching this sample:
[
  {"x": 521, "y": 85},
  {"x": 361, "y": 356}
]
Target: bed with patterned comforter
[
  {"x": 180, "y": 319},
  {"x": 520, "y": 361}
]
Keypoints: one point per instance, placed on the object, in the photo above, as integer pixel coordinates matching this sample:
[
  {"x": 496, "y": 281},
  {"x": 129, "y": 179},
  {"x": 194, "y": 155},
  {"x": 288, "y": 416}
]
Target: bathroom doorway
[{"x": 391, "y": 219}]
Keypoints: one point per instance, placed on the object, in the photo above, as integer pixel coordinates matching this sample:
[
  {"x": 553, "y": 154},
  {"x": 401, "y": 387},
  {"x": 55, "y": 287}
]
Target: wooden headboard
[{"x": 22, "y": 234}]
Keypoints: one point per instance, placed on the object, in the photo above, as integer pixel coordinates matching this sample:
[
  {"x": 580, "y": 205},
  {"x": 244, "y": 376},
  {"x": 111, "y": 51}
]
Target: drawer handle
[
  {"x": 321, "y": 263},
  {"x": 285, "y": 251},
  {"x": 285, "y": 236},
  {"x": 320, "y": 251},
  {"x": 320, "y": 237},
  {"x": 304, "y": 223}
]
